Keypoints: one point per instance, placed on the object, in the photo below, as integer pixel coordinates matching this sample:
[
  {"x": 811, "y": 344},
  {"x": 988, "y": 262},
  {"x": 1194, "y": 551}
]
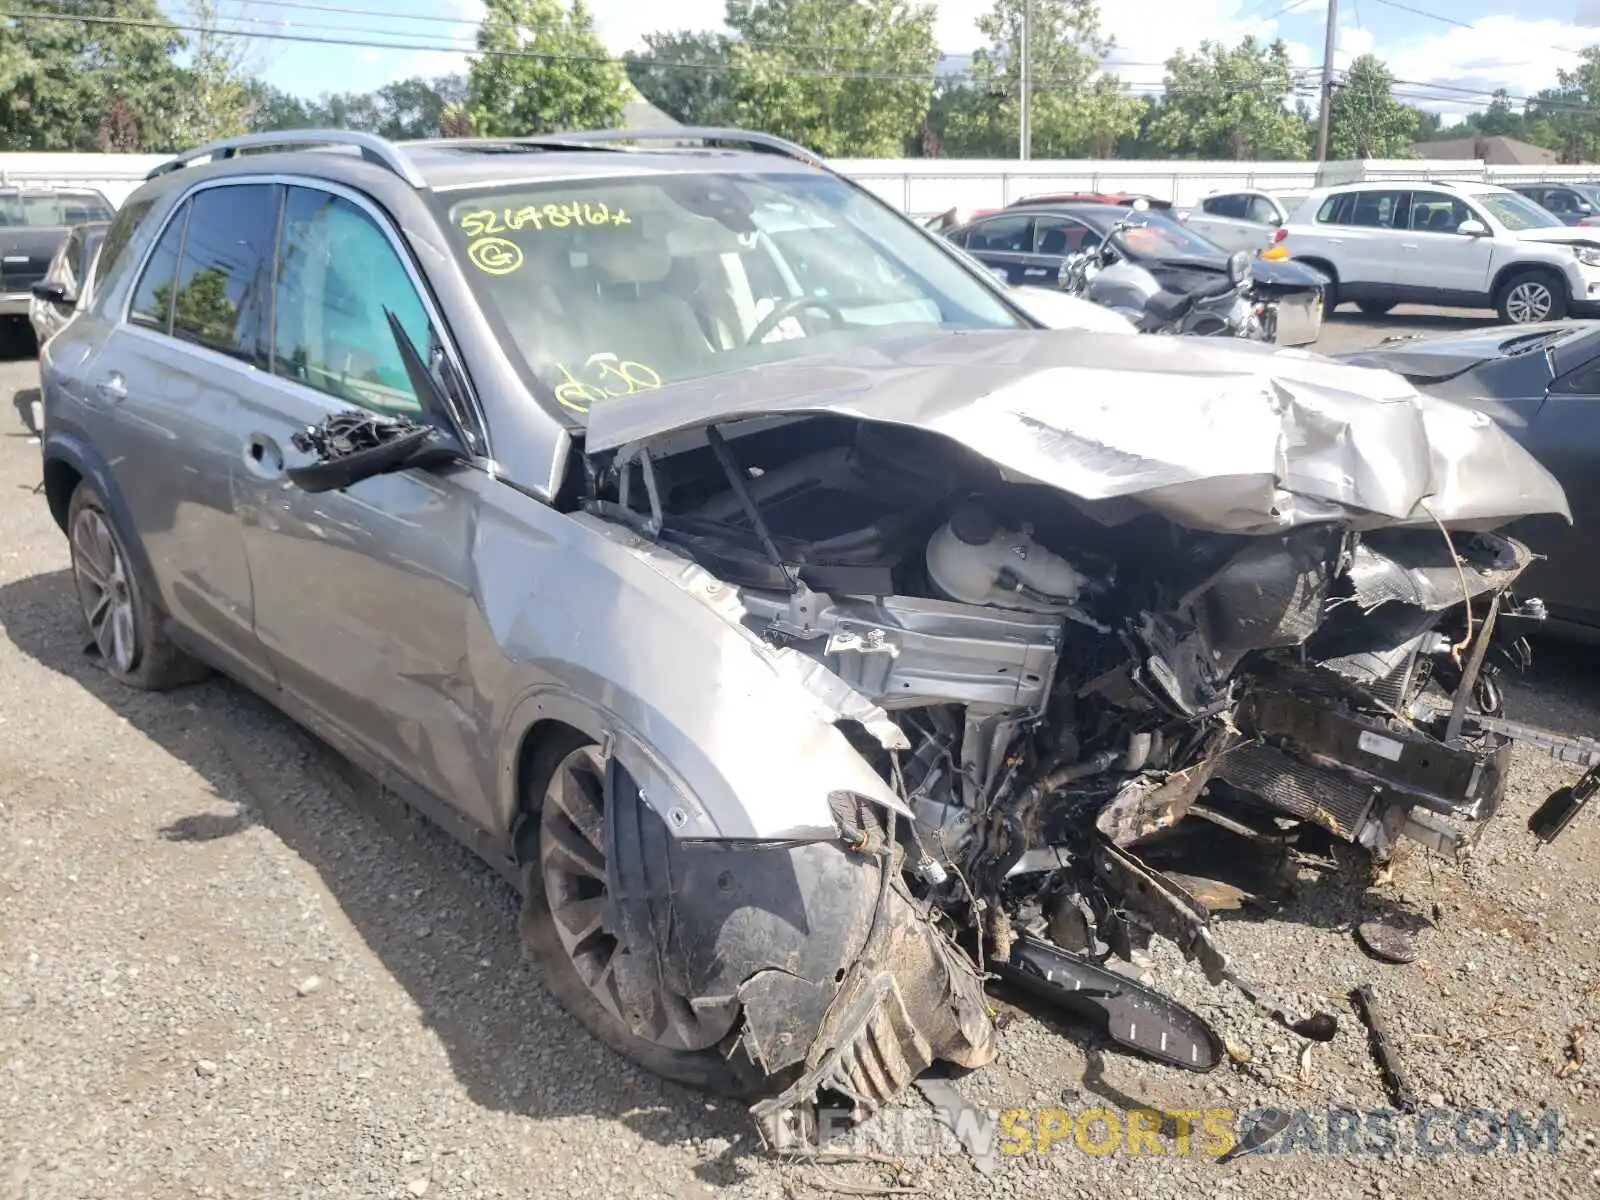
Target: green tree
[
  {"x": 1223, "y": 103},
  {"x": 273, "y": 108},
  {"x": 1366, "y": 120},
  {"x": 1075, "y": 110},
  {"x": 415, "y": 107},
  {"x": 64, "y": 83},
  {"x": 217, "y": 100},
  {"x": 563, "y": 79},
  {"x": 685, "y": 75},
  {"x": 1570, "y": 111},
  {"x": 843, "y": 77}
]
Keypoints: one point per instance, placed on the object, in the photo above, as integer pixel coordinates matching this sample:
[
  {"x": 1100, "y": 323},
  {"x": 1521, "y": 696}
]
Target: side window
[
  {"x": 1005, "y": 235},
  {"x": 69, "y": 261},
  {"x": 1559, "y": 201},
  {"x": 222, "y": 297},
  {"x": 118, "y": 236},
  {"x": 337, "y": 275},
  {"x": 1262, "y": 211},
  {"x": 1336, "y": 209},
  {"x": 1375, "y": 210},
  {"x": 1434, "y": 212},
  {"x": 152, "y": 299},
  {"x": 1226, "y": 206},
  {"x": 1056, "y": 236}
]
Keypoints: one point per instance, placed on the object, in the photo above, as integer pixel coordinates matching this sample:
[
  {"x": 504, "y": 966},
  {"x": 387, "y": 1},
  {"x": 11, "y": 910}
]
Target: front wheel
[
  {"x": 569, "y": 928},
  {"x": 1532, "y": 297}
]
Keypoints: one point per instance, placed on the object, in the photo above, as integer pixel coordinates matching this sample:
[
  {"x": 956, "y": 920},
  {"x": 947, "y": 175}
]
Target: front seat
[{"x": 632, "y": 312}]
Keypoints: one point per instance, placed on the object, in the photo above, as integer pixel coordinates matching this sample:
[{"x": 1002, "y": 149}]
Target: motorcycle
[{"x": 1226, "y": 308}]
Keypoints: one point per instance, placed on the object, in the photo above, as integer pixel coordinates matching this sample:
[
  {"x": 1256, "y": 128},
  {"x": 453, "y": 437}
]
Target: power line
[
  {"x": 1459, "y": 24},
  {"x": 1298, "y": 86},
  {"x": 448, "y": 48}
]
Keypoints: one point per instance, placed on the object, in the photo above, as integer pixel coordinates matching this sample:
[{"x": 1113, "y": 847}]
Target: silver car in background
[{"x": 67, "y": 284}]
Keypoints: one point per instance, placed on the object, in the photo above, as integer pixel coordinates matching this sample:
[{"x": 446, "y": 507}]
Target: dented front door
[{"x": 363, "y": 596}]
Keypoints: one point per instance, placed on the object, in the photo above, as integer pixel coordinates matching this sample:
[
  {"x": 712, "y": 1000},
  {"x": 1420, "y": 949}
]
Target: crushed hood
[
  {"x": 1565, "y": 234},
  {"x": 1216, "y": 434}
]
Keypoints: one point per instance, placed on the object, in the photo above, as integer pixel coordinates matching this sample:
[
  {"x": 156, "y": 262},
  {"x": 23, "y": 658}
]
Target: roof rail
[
  {"x": 763, "y": 143},
  {"x": 373, "y": 148}
]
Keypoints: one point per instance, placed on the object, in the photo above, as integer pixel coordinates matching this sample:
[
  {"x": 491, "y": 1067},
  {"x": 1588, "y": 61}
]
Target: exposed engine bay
[
  {"x": 1019, "y": 635},
  {"x": 1052, "y": 689}
]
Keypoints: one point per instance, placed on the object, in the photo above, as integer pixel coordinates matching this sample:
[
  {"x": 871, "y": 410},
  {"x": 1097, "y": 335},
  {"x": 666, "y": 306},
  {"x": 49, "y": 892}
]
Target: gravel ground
[{"x": 227, "y": 968}]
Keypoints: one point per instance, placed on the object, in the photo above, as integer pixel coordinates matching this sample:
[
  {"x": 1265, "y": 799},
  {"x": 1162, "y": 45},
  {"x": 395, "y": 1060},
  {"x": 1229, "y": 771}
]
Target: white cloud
[{"x": 1496, "y": 51}]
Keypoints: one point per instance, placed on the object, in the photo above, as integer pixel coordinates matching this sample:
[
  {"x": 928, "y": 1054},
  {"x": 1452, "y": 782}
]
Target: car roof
[
  {"x": 446, "y": 164},
  {"x": 1073, "y": 208},
  {"x": 1467, "y": 187}
]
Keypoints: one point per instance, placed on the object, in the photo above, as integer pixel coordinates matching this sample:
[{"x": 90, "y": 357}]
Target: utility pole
[
  {"x": 1327, "y": 80},
  {"x": 1023, "y": 134}
]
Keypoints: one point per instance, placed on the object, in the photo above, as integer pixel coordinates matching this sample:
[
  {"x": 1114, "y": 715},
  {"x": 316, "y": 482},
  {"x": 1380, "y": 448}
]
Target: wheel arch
[
  {"x": 68, "y": 462},
  {"x": 1527, "y": 267}
]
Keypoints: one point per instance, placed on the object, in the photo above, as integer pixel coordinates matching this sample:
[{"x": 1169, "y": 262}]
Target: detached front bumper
[{"x": 845, "y": 982}]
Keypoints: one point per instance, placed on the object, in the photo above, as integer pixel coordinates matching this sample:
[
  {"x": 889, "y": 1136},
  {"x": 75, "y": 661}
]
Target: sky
[{"x": 1435, "y": 45}]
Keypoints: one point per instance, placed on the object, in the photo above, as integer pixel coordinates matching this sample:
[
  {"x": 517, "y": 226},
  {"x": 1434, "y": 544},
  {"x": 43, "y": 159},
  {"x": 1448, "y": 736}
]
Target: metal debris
[{"x": 1383, "y": 1052}]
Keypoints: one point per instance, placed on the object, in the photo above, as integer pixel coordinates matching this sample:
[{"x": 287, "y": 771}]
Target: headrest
[{"x": 620, "y": 256}]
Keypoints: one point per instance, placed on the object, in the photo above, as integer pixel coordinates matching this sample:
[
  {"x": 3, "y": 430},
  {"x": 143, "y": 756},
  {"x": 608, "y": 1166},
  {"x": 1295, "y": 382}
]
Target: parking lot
[{"x": 229, "y": 967}]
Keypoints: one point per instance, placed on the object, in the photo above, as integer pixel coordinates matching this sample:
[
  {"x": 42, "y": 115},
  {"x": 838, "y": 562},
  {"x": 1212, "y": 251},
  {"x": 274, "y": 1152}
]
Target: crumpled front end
[{"x": 1081, "y": 635}]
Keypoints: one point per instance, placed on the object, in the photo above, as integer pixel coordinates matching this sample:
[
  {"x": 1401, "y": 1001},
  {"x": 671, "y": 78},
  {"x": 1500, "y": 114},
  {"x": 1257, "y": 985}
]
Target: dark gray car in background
[
  {"x": 34, "y": 224},
  {"x": 1542, "y": 385}
]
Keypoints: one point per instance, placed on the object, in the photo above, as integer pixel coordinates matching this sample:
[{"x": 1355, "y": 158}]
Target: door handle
[
  {"x": 1408, "y": 245},
  {"x": 113, "y": 387},
  {"x": 263, "y": 456}
]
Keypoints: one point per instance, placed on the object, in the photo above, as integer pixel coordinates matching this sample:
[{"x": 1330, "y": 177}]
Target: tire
[
  {"x": 1375, "y": 308},
  {"x": 710, "y": 1059},
  {"x": 122, "y": 620},
  {"x": 1530, "y": 297}
]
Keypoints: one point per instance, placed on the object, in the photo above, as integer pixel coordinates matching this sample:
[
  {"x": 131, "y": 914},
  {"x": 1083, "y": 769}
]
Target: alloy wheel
[
  {"x": 572, "y": 864},
  {"x": 1529, "y": 302},
  {"x": 104, "y": 589}
]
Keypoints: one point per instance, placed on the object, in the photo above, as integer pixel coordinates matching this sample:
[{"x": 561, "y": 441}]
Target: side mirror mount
[
  {"x": 352, "y": 446},
  {"x": 53, "y": 291},
  {"x": 1472, "y": 227}
]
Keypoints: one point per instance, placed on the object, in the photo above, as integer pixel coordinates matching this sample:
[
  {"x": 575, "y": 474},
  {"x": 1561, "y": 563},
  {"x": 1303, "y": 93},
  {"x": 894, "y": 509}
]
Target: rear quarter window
[
  {"x": 1336, "y": 209},
  {"x": 113, "y": 250}
]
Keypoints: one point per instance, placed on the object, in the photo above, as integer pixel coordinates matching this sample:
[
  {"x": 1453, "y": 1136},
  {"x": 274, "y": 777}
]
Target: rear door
[
  {"x": 1054, "y": 237},
  {"x": 165, "y": 391},
  {"x": 1364, "y": 230},
  {"x": 1004, "y": 241},
  {"x": 1235, "y": 221}
]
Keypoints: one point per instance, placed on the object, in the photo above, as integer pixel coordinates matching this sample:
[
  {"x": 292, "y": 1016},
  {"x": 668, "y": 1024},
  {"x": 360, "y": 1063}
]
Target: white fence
[{"x": 924, "y": 187}]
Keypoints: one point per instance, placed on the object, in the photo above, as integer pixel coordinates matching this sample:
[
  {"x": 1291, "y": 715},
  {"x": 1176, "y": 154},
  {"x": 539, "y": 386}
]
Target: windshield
[
  {"x": 611, "y": 286},
  {"x": 1162, "y": 237},
  {"x": 1516, "y": 212},
  {"x": 52, "y": 209}
]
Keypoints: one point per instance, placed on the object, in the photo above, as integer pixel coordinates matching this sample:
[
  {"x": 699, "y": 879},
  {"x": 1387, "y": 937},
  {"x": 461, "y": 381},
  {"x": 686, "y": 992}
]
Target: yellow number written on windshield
[
  {"x": 588, "y": 214},
  {"x": 608, "y": 377}
]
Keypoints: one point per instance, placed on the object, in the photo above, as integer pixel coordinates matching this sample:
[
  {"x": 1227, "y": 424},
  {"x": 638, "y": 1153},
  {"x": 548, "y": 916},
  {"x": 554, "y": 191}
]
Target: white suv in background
[
  {"x": 1465, "y": 245},
  {"x": 1243, "y": 220}
]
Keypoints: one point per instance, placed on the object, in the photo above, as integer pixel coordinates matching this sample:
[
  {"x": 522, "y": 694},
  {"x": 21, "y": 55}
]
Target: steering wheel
[{"x": 787, "y": 308}]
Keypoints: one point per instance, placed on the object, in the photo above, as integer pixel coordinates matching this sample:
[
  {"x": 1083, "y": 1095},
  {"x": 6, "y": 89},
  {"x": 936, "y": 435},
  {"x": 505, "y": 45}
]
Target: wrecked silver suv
[{"x": 807, "y": 634}]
